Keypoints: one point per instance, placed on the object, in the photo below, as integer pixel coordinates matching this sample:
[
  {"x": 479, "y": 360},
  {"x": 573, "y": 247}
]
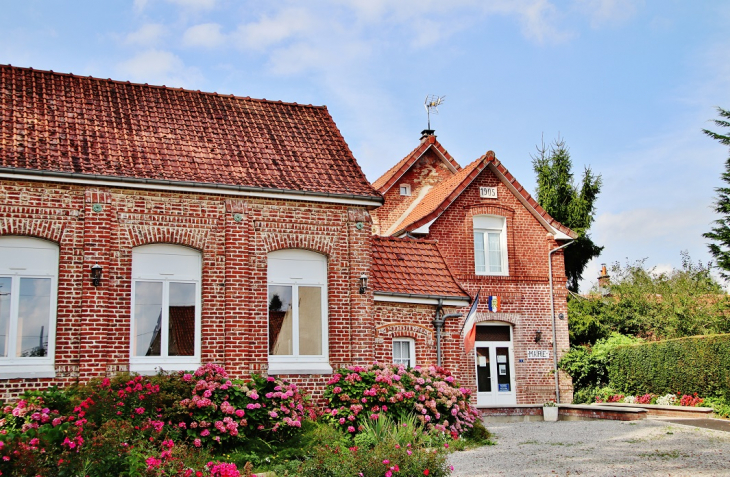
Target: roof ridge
[
  {"x": 168, "y": 88},
  {"x": 424, "y": 145}
]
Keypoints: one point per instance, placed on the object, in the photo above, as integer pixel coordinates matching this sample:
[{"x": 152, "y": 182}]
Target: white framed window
[
  {"x": 165, "y": 331},
  {"x": 490, "y": 245},
  {"x": 405, "y": 189},
  {"x": 28, "y": 289},
  {"x": 404, "y": 352},
  {"x": 297, "y": 312}
]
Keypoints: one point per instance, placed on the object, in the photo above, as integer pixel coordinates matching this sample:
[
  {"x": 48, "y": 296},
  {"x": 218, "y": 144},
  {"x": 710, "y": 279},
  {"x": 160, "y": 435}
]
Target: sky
[{"x": 628, "y": 84}]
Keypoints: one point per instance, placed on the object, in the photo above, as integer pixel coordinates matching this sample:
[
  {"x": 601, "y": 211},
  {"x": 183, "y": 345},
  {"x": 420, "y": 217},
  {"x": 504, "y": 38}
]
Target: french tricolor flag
[{"x": 469, "y": 330}]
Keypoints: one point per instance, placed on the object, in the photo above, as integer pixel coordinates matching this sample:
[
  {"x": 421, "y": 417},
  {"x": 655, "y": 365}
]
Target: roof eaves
[{"x": 132, "y": 181}]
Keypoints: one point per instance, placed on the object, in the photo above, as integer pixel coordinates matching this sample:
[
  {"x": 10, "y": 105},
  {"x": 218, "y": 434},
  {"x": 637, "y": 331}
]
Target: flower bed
[
  {"x": 357, "y": 394},
  {"x": 665, "y": 400},
  {"x": 206, "y": 424}
]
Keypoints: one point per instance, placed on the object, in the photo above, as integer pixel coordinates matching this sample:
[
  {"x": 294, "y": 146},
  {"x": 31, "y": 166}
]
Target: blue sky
[{"x": 628, "y": 84}]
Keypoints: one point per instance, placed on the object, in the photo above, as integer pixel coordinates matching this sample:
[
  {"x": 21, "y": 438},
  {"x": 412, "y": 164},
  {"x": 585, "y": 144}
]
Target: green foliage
[
  {"x": 645, "y": 303},
  {"x": 720, "y": 406},
  {"x": 662, "y": 367},
  {"x": 588, "y": 366},
  {"x": 720, "y": 234},
  {"x": 569, "y": 203}
]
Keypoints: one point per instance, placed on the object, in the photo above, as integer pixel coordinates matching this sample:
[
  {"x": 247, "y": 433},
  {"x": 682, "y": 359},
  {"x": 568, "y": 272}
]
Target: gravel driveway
[{"x": 603, "y": 448}]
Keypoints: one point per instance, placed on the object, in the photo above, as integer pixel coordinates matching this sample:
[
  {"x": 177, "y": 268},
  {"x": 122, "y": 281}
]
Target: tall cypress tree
[
  {"x": 569, "y": 203},
  {"x": 720, "y": 234}
]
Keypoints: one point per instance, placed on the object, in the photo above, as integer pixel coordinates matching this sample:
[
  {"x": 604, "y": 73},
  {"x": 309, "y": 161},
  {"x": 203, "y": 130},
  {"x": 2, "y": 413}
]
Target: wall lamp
[
  {"x": 538, "y": 336},
  {"x": 96, "y": 274},
  {"x": 363, "y": 283}
]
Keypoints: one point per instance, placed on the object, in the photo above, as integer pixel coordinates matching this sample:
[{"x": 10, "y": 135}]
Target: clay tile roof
[
  {"x": 386, "y": 181},
  {"x": 444, "y": 194},
  {"x": 111, "y": 129},
  {"x": 411, "y": 267}
]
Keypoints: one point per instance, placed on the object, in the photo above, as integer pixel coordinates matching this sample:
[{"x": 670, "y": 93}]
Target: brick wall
[
  {"x": 93, "y": 323},
  {"x": 427, "y": 171},
  {"x": 525, "y": 293}
]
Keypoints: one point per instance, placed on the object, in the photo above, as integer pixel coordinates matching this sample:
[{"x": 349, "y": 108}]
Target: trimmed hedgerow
[{"x": 698, "y": 364}]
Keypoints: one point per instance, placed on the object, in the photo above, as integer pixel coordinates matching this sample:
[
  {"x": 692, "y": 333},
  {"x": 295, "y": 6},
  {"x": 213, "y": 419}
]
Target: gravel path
[{"x": 601, "y": 448}]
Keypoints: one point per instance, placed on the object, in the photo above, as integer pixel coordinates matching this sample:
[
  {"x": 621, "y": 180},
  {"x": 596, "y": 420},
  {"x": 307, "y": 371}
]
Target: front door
[{"x": 494, "y": 365}]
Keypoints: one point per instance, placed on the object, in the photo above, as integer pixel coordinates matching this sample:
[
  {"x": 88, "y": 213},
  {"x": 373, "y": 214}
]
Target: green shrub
[
  {"x": 698, "y": 364},
  {"x": 588, "y": 366}
]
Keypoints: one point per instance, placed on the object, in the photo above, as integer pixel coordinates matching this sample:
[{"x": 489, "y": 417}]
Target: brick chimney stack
[{"x": 604, "y": 279}]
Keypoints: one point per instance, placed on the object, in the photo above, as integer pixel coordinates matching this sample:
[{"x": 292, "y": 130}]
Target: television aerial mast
[{"x": 432, "y": 103}]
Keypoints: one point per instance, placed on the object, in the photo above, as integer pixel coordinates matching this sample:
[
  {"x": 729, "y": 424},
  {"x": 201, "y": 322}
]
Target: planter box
[{"x": 550, "y": 413}]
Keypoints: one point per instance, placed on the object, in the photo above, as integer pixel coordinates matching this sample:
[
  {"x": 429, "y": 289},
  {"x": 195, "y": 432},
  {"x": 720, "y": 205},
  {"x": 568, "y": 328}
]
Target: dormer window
[{"x": 405, "y": 189}]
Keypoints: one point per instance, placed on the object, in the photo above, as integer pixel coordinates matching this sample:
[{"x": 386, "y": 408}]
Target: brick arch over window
[
  {"x": 45, "y": 229},
  {"x": 150, "y": 234},
  {"x": 406, "y": 330},
  {"x": 511, "y": 318},
  {"x": 322, "y": 244}
]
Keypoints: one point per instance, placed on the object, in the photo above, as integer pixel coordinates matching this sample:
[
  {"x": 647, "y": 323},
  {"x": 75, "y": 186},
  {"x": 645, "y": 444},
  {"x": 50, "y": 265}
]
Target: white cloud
[
  {"x": 539, "y": 21},
  {"x": 608, "y": 12},
  {"x": 270, "y": 31},
  {"x": 160, "y": 68},
  {"x": 206, "y": 35},
  {"x": 147, "y": 35}
]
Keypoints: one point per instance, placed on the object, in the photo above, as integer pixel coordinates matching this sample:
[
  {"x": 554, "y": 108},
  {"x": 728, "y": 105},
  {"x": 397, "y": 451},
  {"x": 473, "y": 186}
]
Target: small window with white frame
[
  {"x": 404, "y": 352},
  {"x": 297, "y": 309},
  {"x": 405, "y": 189},
  {"x": 28, "y": 287},
  {"x": 165, "y": 331},
  {"x": 490, "y": 245}
]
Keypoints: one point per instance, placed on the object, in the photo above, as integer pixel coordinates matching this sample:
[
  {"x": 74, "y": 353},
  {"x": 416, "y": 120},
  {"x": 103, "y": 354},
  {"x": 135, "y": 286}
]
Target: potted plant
[{"x": 550, "y": 411}]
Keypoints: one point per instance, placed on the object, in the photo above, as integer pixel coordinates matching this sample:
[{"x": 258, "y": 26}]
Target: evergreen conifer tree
[
  {"x": 720, "y": 234},
  {"x": 569, "y": 203}
]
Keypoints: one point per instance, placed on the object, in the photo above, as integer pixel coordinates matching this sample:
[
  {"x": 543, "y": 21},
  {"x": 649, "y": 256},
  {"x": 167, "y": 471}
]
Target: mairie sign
[{"x": 538, "y": 354}]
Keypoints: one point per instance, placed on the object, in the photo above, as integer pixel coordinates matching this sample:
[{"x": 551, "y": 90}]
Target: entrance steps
[{"x": 577, "y": 412}]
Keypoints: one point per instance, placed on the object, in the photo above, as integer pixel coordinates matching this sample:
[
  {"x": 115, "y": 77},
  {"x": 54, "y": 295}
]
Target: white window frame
[
  {"x": 27, "y": 257},
  {"x": 411, "y": 350},
  {"x": 490, "y": 224},
  {"x": 295, "y": 268},
  {"x": 165, "y": 263},
  {"x": 405, "y": 189}
]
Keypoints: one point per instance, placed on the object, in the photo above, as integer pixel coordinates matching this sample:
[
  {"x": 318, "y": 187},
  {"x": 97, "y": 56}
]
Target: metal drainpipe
[
  {"x": 438, "y": 322},
  {"x": 552, "y": 311}
]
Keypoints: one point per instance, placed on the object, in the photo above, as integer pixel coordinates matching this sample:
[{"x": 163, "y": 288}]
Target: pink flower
[{"x": 197, "y": 443}]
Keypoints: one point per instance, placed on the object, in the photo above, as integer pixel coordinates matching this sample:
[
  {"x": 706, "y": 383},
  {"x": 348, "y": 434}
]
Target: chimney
[
  {"x": 426, "y": 133},
  {"x": 604, "y": 281}
]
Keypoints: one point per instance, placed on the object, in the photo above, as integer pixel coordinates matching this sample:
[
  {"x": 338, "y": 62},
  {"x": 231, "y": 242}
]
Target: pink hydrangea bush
[
  {"x": 356, "y": 394},
  {"x": 225, "y": 411}
]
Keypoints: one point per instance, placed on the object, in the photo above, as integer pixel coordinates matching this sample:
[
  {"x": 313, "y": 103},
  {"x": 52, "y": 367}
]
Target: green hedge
[{"x": 699, "y": 364}]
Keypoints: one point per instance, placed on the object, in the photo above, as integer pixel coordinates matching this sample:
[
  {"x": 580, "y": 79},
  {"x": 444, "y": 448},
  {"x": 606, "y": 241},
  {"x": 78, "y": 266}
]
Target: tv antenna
[{"x": 432, "y": 103}]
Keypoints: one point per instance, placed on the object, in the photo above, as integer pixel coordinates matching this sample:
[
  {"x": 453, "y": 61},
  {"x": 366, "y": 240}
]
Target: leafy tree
[
  {"x": 569, "y": 203},
  {"x": 720, "y": 234},
  {"x": 652, "y": 305}
]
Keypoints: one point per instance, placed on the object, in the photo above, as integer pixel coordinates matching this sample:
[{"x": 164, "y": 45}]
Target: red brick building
[
  {"x": 147, "y": 227},
  {"x": 494, "y": 239},
  {"x": 199, "y": 208}
]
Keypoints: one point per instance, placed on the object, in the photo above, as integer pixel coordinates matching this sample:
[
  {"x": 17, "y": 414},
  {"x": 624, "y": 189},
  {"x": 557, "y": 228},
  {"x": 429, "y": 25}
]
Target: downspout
[
  {"x": 552, "y": 311},
  {"x": 439, "y": 321}
]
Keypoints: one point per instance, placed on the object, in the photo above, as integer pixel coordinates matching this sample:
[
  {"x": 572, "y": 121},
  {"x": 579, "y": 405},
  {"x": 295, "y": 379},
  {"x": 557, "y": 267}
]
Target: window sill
[
  {"x": 299, "y": 367},
  {"x": 151, "y": 368},
  {"x": 16, "y": 371}
]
